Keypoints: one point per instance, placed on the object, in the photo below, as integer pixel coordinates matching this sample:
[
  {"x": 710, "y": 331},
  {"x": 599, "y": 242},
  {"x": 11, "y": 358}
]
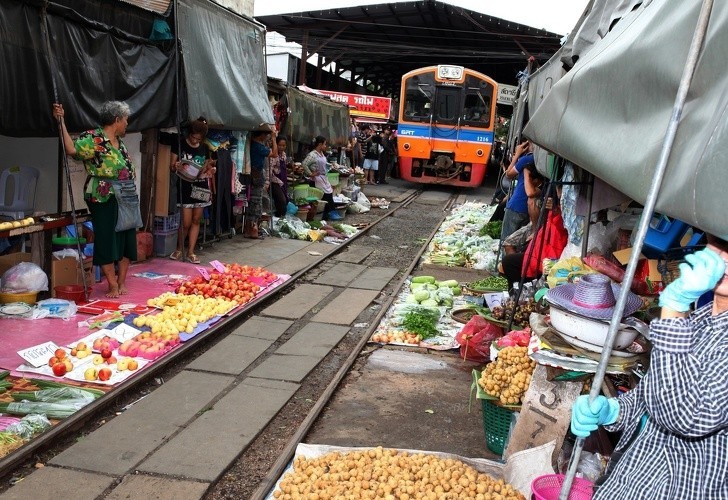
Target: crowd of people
[{"x": 375, "y": 151}]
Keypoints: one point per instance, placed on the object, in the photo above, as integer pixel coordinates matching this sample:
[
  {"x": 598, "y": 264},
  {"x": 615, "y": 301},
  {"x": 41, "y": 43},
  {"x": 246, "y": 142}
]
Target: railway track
[{"x": 406, "y": 222}]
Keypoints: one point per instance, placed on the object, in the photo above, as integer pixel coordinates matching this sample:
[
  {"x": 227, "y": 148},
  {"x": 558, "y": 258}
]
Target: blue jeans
[{"x": 512, "y": 221}]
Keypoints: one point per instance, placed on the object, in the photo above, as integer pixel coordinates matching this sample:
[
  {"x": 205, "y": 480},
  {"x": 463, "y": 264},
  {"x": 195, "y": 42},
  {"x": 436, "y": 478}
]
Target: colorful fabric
[
  {"x": 681, "y": 451},
  {"x": 102, "y": 161}
]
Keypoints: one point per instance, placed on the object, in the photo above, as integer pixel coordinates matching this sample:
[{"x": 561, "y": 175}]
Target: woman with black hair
[
  {"x": 194, "y": 194},
  {"x": 314, "y": 167}
]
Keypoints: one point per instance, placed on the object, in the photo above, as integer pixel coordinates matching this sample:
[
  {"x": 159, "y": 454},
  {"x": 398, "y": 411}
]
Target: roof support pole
[
  {"x": 304, "y": 58},
  {"x": 686, "y": 79}
]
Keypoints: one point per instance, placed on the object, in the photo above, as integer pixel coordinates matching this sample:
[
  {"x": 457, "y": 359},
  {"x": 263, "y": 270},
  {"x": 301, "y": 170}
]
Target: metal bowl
[
  {"x": 593, "y": 332},
  {"x": 189, "y": 170}
]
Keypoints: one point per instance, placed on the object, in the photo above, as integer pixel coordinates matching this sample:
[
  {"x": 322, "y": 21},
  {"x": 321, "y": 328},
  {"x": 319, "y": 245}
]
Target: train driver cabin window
[
  {"x": 418, "y": 99},
  {"x": 477, "y": 102}
]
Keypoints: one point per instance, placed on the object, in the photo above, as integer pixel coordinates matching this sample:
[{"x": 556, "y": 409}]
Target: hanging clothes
[{"x": 223, "y": 197}]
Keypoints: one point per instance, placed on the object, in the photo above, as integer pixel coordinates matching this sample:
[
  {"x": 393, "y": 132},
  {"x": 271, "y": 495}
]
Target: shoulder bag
[{"x": 129, "y": 215}]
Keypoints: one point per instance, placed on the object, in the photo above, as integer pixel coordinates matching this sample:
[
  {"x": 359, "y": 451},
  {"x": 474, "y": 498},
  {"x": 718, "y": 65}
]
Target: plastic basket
[
  {"x": 27, "y": 297},
  {"x": 496, "y": 424},
  {"x": 333, "y": 178},
  {"x": 548, "y": 487},
  {"x": 306, "y": 191},
  {"x": 664, "y": 233},
  {"x": 166, "y": 224}
]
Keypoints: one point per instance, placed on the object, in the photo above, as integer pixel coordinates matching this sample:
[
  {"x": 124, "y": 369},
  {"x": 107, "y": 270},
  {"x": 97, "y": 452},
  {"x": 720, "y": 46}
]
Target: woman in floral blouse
[{"x": 105, "y": 158}]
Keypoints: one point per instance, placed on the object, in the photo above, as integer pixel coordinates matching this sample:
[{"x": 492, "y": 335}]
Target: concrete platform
[
  {"x": 341, "y": 274},
  {"x": 48, "y": 484},
  {"x": 314, "y": 339},
  {"x": 119, "y": 445},
  {"x": 144, "y": 487},
  {"x": 208, "y": 446},
  {"x": 299, "y": 302},
  {"x": 232, "y": 355},
  {"x": 346, "y": 307},
  {"x": 374, "y": 278},
  {"x": 263, "y": 328},
  {"x": 293, "y": 368},
  {"x": 354, "y": 253}
]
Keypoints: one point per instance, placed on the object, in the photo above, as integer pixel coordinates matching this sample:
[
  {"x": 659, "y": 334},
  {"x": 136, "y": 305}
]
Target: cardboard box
[
  {"x": 10, "y": 260},
  {"x": 623, "y": 257},
  {"x": 66, "y": 271}
]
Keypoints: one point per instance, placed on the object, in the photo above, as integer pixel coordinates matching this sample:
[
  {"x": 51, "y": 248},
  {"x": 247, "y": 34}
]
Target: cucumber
[{"x": 423, "y": 279}]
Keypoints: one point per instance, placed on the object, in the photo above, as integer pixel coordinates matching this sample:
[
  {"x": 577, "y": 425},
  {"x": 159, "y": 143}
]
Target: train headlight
[
  {"x": 406, "y": 146},
  {"x": 479, "y": 152}
]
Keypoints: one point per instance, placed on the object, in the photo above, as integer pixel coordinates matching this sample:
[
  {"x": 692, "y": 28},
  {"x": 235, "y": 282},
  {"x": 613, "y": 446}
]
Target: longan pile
[
  {"x": 388, "y": 474},
  {"x": 509, "y": 376}
]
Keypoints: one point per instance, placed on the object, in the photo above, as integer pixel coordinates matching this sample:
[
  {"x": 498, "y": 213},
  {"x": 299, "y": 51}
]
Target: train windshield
[
  {"x": 477, "y": 102},
  {"x": 420, "y": 92},
  {"x": 447, "y": 106}
]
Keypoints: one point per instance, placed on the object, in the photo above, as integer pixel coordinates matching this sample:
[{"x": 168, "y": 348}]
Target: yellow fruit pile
[
  {"x": 384, "y": 473},
  {"x": 509, "y": 376},
  {"x": 182, "y": 313}
]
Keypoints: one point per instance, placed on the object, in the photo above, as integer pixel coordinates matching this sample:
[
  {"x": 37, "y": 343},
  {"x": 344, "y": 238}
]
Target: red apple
[
  {"x": 111, "y": 360},
  {"x": 59, "y": 369},
  {"x": 105, "y": 373},
  {"x": 60, "y": 353},
  {"x": 106, "y": 353},
  {"x": 53, "y": 361}
]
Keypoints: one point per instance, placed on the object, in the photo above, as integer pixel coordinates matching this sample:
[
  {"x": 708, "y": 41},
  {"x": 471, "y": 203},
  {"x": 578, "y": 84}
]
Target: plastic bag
[
  {"x": 291, "y": 209},
  {"x": 24, "y": 277},
  {"x": 601, "y": 264},
  {"x": 30, "y": 425},
  {"x": 475, "y": 339},
  {"x": 364, "y": 201},
  {"x": 567, "y": 271},
  {"x": 58, "y": 308}
]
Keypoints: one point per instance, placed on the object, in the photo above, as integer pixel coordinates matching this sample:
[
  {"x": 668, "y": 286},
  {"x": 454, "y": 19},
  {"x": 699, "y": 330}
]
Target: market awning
[
  {"x": 90, "y": 62},
  {"x": 610, "y": 112},
  {"x": 224, "y": 69},
  {"x": 311, "y": 115}
]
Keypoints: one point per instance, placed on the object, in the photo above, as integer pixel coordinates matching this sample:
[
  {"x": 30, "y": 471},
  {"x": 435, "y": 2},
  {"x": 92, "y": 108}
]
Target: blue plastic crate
[
  {"x": 166, "y": 224},
  {"x": 663, "y": 234}
]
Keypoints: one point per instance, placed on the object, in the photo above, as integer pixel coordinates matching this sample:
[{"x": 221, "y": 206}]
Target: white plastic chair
[{"x": 20, "y": 192}]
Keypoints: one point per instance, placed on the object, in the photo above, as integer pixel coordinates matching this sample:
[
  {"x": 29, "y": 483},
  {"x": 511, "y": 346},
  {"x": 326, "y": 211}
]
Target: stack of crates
[{"x": 165, "y": 234}]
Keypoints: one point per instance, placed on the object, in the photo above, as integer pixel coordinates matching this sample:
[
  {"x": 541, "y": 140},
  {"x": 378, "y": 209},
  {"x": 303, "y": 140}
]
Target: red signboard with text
[{"x": 362, "y": 105}]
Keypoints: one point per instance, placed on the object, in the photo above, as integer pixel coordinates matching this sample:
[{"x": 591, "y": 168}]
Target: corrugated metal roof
[{"x": 158, "y": 6}]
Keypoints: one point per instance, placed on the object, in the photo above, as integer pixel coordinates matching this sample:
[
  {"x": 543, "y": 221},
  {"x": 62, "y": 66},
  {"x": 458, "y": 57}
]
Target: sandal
[
  {"x": 176, "y": 255},
  {"x": 193, "y": 259}
]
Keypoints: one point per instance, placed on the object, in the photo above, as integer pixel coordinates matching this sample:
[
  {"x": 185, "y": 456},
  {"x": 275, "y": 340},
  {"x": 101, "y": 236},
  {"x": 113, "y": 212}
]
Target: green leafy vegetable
[
  {"x": 420, "y": 324},
  {"x": 492, "y": 229}
]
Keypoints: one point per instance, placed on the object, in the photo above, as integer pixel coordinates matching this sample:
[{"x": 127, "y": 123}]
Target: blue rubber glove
[
  {"x": 703, "y": 271},
  {"x": 586, "y": 418}
]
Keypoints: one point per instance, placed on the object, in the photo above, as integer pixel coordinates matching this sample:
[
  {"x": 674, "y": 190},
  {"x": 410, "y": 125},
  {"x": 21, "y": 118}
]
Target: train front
[{"x": 445, "y": 131}]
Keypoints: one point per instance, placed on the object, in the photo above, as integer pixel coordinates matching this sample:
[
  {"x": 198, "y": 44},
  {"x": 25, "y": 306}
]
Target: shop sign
[
  {"x": 218, "y": 266},
  {"x": 545, "y": 414},
  {"x": 362, "y": 105},
  {"x": 203, "y": 272},
  {"x": 506, "y": 94}
]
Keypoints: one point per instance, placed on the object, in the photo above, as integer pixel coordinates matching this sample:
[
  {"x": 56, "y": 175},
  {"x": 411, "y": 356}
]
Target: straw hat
[{"x": 593, "y": 296}]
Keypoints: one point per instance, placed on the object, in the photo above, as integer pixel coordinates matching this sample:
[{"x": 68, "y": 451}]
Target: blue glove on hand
[
  {"x": 586, "y": 418},
  {"x": 705, "y": 270}
]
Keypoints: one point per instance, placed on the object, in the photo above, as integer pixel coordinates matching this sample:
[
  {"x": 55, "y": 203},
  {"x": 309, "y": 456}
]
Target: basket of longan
[{"x": 504, "y": 383}]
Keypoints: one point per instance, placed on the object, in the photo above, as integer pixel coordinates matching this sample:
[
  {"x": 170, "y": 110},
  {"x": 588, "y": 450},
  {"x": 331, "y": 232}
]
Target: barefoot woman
[{"x": 105, "y": 158}]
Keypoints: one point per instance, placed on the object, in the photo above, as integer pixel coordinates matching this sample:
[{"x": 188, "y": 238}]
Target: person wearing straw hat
[{"x": 674, "y": 423}]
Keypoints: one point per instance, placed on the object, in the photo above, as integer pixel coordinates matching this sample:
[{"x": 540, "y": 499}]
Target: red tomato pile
[{"x": 233, "y": 284}]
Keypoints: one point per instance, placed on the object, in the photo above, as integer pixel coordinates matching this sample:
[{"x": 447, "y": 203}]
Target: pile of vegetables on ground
[
  {"x": 489, "y": 283},
  {"x": 294, "y": 228},
  {"x": 459, "y": 242},
  {"x": 387, "y": 473},
  {"x": 426, "y": 290},
  {"x": 492, "y": 229},
  {"x": 27, "y": 407}
]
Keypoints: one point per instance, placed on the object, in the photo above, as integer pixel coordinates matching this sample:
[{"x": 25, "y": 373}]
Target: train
[{"x": 446, "y": 121}]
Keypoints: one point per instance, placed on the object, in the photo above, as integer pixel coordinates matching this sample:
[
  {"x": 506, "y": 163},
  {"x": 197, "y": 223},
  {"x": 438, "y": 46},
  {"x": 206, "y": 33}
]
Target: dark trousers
[
  {"x": 279, "y": 199},
  {"x": 329, "y": 199},
  {"x": 385, "y": 164}
]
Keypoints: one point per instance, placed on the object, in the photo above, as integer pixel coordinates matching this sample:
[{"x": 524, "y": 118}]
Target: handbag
[
  {"x": 129, "y": 215},
  {"x": 201, "y": 194}
]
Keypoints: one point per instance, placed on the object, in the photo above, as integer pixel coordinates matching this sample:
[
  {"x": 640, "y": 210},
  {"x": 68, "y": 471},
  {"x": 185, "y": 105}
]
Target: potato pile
[
  {"x": 388, "y": 474},
  {"x": 399, "y": 336},
  {"x": 509, "y": 376}
]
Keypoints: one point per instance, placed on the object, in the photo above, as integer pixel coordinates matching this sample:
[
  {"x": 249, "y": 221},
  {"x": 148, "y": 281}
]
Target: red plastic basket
[{"x": 548, "y": 487}]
